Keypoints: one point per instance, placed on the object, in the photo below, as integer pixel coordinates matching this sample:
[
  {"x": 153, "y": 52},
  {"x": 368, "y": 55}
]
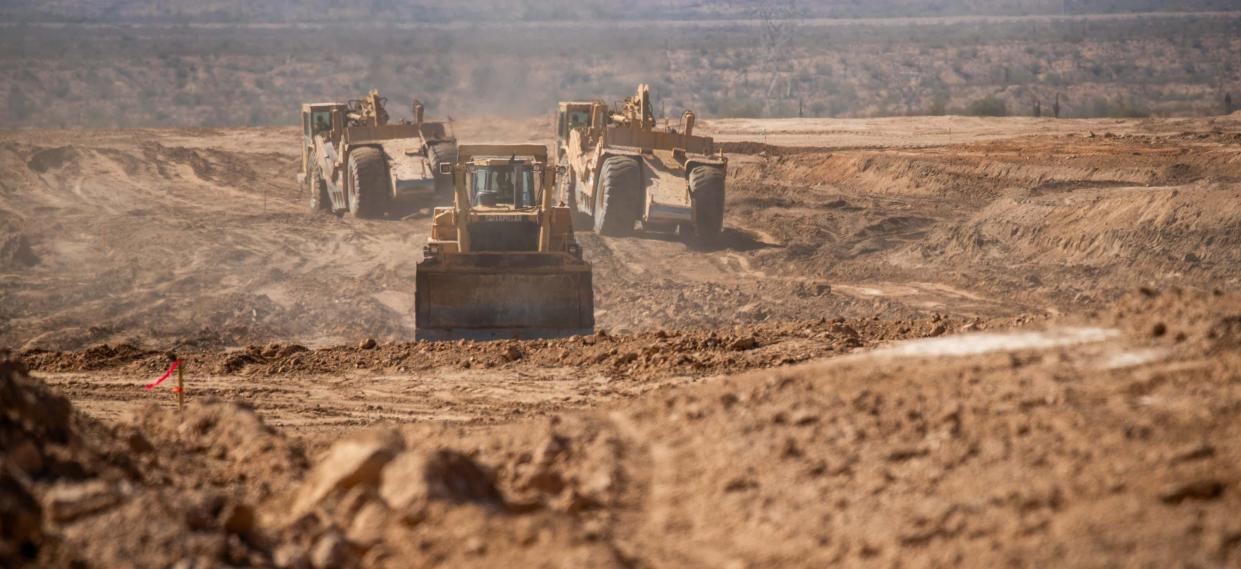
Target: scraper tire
[
  {"x": 369, "y": 194},
  {"x": 619, "y": 195},
  {"x": 706, "y": 188}
]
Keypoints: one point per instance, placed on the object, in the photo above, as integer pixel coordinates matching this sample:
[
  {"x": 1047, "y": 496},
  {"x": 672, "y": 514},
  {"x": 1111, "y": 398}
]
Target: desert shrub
[
  {"x": 989, "y": 106},
  {"x": 740, "y": 107},
  {"x": 1118, "y": 107}
]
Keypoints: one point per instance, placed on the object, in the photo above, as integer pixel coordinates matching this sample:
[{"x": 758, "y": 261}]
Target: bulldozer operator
[
  {"x": 504, "y": 186},
  {"x": 498, "y": 188},
  {"x": 321, "y": 124}
]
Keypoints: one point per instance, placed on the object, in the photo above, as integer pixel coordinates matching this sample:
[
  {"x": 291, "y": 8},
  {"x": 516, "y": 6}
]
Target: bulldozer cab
[
  {"x": 319, "y": 119},
  {"x": 508, "y": 184},
  {"x": 323, "y": 119},
  {"x": 573, "y": 115}
]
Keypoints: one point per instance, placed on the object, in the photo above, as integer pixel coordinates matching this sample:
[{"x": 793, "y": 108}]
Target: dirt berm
[
  {"x": 1109, "y": 442},
  {"x": 154, "y": 491},
  {"x": 1114, "y": 443}
]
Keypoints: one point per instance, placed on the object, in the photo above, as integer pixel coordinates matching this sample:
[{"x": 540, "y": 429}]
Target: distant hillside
[
  {"x": 160, "y": 74},
  {"x": 232, "y": 11}
]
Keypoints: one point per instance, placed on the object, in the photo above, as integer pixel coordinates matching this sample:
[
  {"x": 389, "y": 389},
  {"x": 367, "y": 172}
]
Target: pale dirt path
[
  {"x": 906, "y": 132},
  {"x": 326, "y": 404}
]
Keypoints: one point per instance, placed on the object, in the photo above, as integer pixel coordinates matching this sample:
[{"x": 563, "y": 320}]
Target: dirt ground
[{"x": 922, "y": 342}]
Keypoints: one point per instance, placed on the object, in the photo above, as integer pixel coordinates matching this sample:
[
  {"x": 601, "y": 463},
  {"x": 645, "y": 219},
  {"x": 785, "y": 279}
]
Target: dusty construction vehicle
[
  {"x": 622, "y": 170},
  {"x": 502, "y": 262},
  {"x": 354, "y": 161}
]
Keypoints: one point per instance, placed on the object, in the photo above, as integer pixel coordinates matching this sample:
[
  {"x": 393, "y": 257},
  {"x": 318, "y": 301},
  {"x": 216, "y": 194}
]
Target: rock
[
  {"x": 1159, "y": 329},
  {"x": 367, "y": 344},
  {"x": 743, "y": 343},
  {"x": 511, "y": 354},
  {"x": 20, "y": 513},
  {"x": 475, "y": 545},
  {"x": 138, "y": 444},
  {"x": 1194, "y": 489},
  {"x": 69, "y": 501},
  {"x": 237, "y": 519},
  {"x": 26, "y": 456},
  {"x": 202, "y": 510},
  {"x": 292, "y": 349},
  {"x": 842, "y": 329},
  {"x": 1194, "y": 452},
  {"x": 290, "y": 556},
  {"x": 805, "y": 418},
  {"x": 740, "y": 483},
  {"x": 575, "y": 501},
  {"x": 414, "y": 479},
  {"x": 352, "y": 461},
  {"x": 367, "y": 527},
  {"x": 331, "y": 552}
]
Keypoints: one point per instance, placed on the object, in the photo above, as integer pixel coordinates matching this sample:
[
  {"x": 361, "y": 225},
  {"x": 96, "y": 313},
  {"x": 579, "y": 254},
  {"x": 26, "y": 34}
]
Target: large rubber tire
[
  {"x": 619, "y": 195},
  {"x": 706, "y": 188},
  {"x": 368, "y": 173},
  {"x": 442, "y": 152},
  {"x": 319, "y": 200},
  {"x": 567, "y": 183}
]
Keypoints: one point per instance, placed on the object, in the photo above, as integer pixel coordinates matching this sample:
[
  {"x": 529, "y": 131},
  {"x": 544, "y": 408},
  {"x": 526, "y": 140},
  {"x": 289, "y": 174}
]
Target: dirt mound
[
  {"x": 630, "y": 355},
  {"x": 224, "y": 445},
  {"x": 376, "y": 499},
  {"x": 1207, "y": 320},
  {"x": 41, "y": 161},
  {"x": 1150, "y": 229},
  {"x": 1047, "y": 455},
  {"x": 758, "y": 148},
  {"x": 55, "y": 466},
  {"x": 151, "y": 494},
  {"x": 206, "y": 164},
  {"x": 102, "y": 356}
]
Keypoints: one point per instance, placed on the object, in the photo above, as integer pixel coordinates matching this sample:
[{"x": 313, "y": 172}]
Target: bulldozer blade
[{"x": 496, "y": 296}]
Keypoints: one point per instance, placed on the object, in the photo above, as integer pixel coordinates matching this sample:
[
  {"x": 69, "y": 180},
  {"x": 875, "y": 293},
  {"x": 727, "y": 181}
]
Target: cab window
[
  {"x": 320, "y": 121},
  {"x": 578, "y": 118},
  {"x": 573, "y": 119},
  {"x": 509, "y": 185}
]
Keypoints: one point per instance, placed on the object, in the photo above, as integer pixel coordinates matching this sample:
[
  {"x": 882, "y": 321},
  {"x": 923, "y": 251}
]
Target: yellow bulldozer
[
  {"x": 502, "y": 262},
  {"x": 621, "y": 170},
  {"x": 354, "y": 161}
]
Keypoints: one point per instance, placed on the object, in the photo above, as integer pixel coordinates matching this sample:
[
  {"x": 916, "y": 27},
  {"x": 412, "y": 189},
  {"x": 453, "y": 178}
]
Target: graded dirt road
[{"x": 1106, "y": 409}]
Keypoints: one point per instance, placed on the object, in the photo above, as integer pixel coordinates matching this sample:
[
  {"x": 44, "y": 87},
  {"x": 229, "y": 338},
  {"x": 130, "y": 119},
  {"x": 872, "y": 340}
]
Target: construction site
[{"x": 615, "y": 335}]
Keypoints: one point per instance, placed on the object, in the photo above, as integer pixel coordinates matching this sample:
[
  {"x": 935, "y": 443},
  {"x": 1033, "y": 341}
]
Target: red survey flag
[{"x": 161, "y": 379}]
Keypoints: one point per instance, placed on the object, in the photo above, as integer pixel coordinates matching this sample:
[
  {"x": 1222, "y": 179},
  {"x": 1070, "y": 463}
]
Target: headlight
[{"x": 430, "y": 250}]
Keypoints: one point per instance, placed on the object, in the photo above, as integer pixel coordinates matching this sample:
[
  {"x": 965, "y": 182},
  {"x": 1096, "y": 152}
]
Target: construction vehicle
[
  {"x": 621, "y": 170},
  {"x": 354, "y": 161},
  {"x": 502, "y": 262}
]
